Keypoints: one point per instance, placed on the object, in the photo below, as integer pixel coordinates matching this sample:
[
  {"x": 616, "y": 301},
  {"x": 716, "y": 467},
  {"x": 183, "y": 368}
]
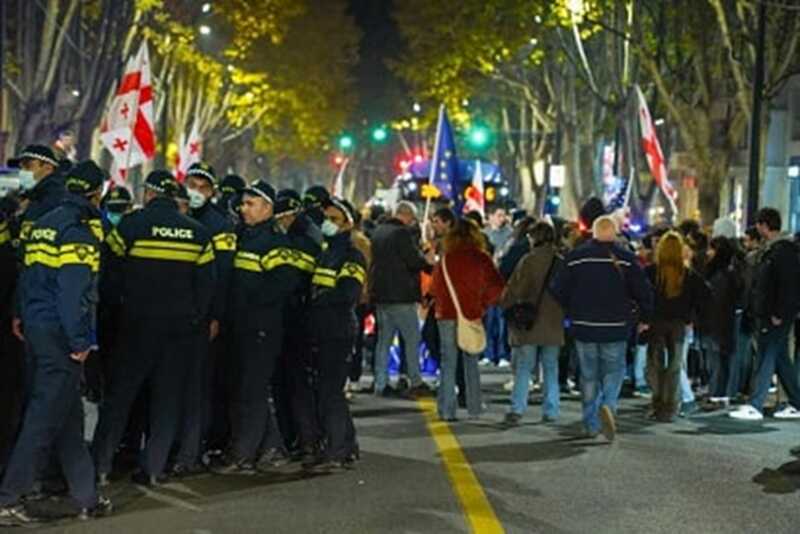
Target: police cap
[
  {"x": 261, "y": 189},
  {"x": 203, "y": 170},
  {"x": 231, "y": 184},
  {"x": 315, "y": 196},
  {"x": 162, "y": 182},
  {"x": 41, "y": 153},
  {"x": 344, "y": 206},
  {"x": 85, "y": 177},
  {"x": 118, "y": 199},
  {"x": 288, "y": 203}
]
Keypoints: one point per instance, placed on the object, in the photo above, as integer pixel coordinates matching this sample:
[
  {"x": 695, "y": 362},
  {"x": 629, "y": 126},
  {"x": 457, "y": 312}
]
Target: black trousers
[
  {"x": 53, "y": 421},
  {"x": 196, "y": 406},
  {"x": 154, "y": 351},
  {"x": 255, "y": 360},
  {"x": 302, "y": 370},
  {"x": 12, "y": 386},
  {"x": 333, "y": 365}
]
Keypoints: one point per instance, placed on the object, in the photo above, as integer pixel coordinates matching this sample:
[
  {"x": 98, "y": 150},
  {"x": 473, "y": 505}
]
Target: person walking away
[
  {"x": 598, "y": 289},
  {"x": 775, "y": 306},
  {"x": 679, "y": 293},
  {"x": 476, "y": 285},
  {"x": 541, "y": 340},
  {"x": 395, "y": 290},
  {"x": 58, "y": 305},
  {"x": 337, "y": 287}
]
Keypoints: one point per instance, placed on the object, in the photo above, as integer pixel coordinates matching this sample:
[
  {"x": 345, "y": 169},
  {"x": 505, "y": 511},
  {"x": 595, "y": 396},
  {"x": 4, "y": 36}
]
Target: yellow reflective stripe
[
  {"x": 116, "y": 243},
  {"x": 57, "y": 257},
  {"x": 43, "y": 258},
  {"x": 166, "y": 250},
  {"x": 207, "y": 256},
  {"x": 288, "y": 256},
  {"x": 247, "y": 261},
  {"x": 353, "y": 270},
  {"x": 5, "y": 233},
  {"x": 324, "y": 277},
  {"x": 225, "y": 242},
  {"x": 96, "y": 226}
]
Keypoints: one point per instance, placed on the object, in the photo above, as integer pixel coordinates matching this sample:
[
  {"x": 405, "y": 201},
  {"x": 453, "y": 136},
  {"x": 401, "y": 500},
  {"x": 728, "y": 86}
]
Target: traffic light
[
  {"x": 346, "y": 142},
  {"x": 479, "y": 137},
  {"x": 379, "y": 134}
]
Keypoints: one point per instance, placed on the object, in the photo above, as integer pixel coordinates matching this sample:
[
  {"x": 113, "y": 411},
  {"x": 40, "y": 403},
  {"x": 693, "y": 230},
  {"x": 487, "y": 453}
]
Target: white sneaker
[
  {"x": 790, "y": 412},
  {"x": 719, "y": 400},
  {"x": 509, "y": 386},
  {"x": 746, "y": 413},
  {"x": 504, "y": 364},
  {"x": 485, "y": 362}
]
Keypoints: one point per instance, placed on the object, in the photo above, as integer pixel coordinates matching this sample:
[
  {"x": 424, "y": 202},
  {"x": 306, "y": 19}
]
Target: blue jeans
[
  {"x": 497, "y": 347},
  {"x": 526, "y": 359},
  {"x": 687, "y": 395},
  {"x": 742, "y": 363},
  {"x": 773, "y": 357},
  {"x": 637, "y": 369},
  {"x": 602, "y": 372},
  {"x": 446, "y": 396},
  {"x": 392, "y": 318}
]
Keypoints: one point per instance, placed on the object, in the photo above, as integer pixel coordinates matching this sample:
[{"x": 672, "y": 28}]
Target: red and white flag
[
  {"x": 475, "y": 199},
  {"x": 338, "y": 183},
  {"x": 652, "y": 149},
  {"x": 190, "y": 151},
  {"x": 128, "y": 130}
]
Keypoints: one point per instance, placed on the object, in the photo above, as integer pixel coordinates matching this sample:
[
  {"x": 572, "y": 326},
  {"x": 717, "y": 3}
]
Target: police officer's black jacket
[
  {"x": 62, "y": 259},
  {"x": 306, "y": 238},
  {"x": 8, "y": 271},
  {"x": 224, "y": 239},
  {"x": 266, "y": 271},
  {"x": 336, "y": 289},
  {"x": 165, "y": 268}
]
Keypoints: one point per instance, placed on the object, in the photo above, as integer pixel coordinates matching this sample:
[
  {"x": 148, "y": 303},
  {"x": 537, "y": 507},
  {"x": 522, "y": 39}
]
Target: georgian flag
[
  {"x": 190, "y": 151},
  {"x": 128, "y": 130},
  {"x": 652, "y": 149},
  {"x": 475, "y": 200},
  {"x": 337, "y": 189}
]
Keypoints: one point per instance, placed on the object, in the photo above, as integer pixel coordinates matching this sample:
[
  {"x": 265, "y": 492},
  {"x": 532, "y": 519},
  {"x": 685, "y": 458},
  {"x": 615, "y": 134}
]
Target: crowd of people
[{"x": 218, "y": 325}]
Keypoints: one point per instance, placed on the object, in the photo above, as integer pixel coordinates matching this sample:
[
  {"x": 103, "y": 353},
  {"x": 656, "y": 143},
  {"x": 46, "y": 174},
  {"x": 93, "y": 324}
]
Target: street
[{"x": 710, "y": 474}]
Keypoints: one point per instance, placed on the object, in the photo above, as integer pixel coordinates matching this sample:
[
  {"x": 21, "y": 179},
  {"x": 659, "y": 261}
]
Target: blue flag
[{"x": 444, "y": 163}]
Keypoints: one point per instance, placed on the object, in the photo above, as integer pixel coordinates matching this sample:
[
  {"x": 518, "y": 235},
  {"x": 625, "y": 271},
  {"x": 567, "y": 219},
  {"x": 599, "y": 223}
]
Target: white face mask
[
  {"x": 329, "y": 229},
  {"x": 196, "y": 198},
  {"x": 26, "y": 180}
]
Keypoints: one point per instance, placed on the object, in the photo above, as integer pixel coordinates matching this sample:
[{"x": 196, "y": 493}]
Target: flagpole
[
  {"x": 432, "y": 171},
  {"x": 135, "y": 112}
]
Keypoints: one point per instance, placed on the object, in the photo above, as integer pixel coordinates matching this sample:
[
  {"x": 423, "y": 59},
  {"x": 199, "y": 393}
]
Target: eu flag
[{"x": 444, "y": 164}]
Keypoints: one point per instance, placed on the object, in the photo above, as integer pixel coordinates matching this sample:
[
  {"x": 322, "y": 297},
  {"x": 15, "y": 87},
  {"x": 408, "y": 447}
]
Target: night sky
[{"x": 381, "y": 94}]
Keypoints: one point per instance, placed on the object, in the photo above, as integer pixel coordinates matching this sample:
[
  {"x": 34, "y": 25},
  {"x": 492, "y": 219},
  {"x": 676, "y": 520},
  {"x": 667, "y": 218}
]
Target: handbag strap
[
  {"x": 450, "y": 287},
  {"x": 544, "y": 282}
]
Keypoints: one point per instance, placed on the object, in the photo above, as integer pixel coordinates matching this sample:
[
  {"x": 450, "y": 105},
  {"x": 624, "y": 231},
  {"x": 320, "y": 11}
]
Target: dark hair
[
  {"x": 752, "y": 233},
  {"x": 689, "y": 227},
  {"x": 542, "y": 234},
  {"x": 770, "y": 217},
  {"x": 445, "y": 215},
  {"x": 523, "y": 227},
  {"x": 464, "y": 234},
  {"x": 476, "y": 217},
  {"x": 724, "y": 250}
]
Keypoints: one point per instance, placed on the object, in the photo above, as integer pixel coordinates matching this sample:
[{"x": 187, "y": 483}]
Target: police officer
[
  {"x": 197, "y": 407},
  {"x": 294, "y": 395},
  {"x": 264, "y": 276},
  {"x": 117, "y": 203},
  {"x": 42, "y": 188},
  {"x": 62, "y": 259},
  {"x": 230, "y": 199},
  {"x": 167, "y": 283},
  {"x": 314, "y": 200},
  {"x": 336, "y": 289}
]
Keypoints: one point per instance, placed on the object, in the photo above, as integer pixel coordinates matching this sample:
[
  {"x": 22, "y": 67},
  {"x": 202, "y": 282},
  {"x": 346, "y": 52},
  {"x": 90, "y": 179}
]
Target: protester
[
  {"x": 538, "y": 333},
  {"x": 598, "y": 289},
  {"x": 476, "y": 285}
]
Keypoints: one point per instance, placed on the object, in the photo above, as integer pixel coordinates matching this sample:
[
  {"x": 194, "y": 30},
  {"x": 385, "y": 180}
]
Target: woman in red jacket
[{"x": 477, "y": 285}]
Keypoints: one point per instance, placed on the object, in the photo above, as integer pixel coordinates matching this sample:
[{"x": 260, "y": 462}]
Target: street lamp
[
  {"x": 205, "y": 29},
  {"x": 417, "y": 107},
  {"x": 206, "y": 7}
]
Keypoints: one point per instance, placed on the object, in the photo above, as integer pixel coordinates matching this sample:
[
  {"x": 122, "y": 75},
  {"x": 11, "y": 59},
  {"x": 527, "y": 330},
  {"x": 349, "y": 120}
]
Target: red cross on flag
[
  {"x": 474, "y": 198},
  {"x": 190, "y": 151},
  {"x": 652, "y": 149},
  {"x": 128, "y": 130}
]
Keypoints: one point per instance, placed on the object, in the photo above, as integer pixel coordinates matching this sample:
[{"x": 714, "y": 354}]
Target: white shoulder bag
[{"x": 470, "y": 335}]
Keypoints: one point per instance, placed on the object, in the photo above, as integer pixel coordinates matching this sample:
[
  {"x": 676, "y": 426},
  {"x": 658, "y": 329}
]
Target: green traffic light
[
  {"x": 346, "y": 142},
  {"x": 379, "y": 135},
  {"x": 479, "y": 137}
]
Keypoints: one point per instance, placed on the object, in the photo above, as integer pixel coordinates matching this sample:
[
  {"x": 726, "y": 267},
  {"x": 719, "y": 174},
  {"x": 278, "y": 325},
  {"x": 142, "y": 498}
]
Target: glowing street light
[
  {"x": 206, "y": 7},
  {"x": 205, "y": 29}
]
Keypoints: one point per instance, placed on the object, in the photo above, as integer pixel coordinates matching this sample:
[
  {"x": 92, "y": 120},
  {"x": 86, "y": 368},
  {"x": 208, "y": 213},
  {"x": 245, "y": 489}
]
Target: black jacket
[
  {"x": 45, "y": 196},
  {"x": 685, "y": 307},
  {"x": 62, "y": 261},
  {"x": 164, "y": 267},
  {"x": 719, "y": 309},
  {"x": 396, "y": 264},
  {"x": 597, "y": 288},
  {"x": 336, "y": 289},
  {"x": 266, "y": 271},
  {"x": 305, "y": 239},
  {"x": 224, "y": 239},
  {"x": 775, "y": 283},
  {"x": 508, "y": 262}
]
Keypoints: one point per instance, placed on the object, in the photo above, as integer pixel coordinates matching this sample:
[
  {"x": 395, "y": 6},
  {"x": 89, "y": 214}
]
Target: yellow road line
[{"x": 479, "y": 513}]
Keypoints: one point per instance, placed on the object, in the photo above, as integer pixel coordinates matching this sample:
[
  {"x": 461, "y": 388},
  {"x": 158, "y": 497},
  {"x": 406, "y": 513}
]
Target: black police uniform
[
  {"x": 167, "y": 282},
  {"x": 11, "y": 360},
  {"x": 62, "y": 260},
  {"x": 266, "y": 272},
  {"x": 199, "y": 401},
  {"x": 336, "y": 288}
]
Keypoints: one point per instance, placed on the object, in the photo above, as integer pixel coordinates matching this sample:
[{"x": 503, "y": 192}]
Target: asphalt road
[{"x": 706, "y": 475}]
